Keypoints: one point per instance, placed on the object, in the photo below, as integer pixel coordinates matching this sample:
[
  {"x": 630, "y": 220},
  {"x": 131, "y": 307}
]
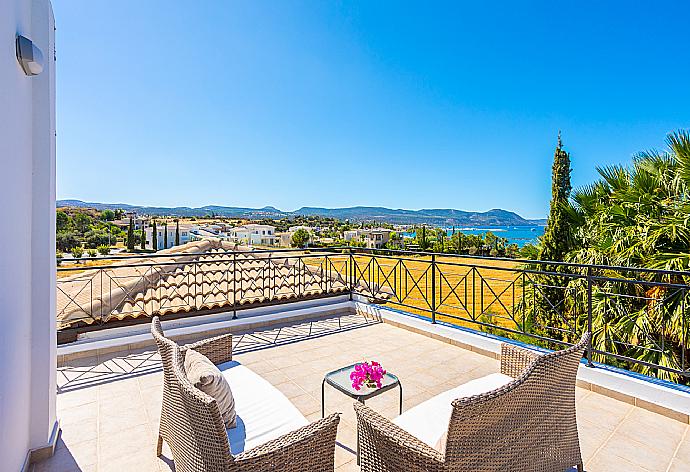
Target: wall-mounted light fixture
[{"x": 29, "y": 56}]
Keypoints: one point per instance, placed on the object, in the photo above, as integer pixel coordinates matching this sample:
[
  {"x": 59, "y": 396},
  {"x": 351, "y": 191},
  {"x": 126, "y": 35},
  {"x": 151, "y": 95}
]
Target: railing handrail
[
  {"x": 518, "y": 260},
  {"x": 381, "y": 252}
]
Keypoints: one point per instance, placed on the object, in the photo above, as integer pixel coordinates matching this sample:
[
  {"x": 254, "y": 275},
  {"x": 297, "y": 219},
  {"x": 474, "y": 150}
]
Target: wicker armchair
[
  {"x": 528, "y": 424},
  {"x": 193, "y": 427}
]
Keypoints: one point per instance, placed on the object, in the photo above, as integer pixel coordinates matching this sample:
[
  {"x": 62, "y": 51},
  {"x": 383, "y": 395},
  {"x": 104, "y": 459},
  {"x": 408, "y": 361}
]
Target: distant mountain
[
  {"x": 436, "y": 217},
  {"x": 208, "y": 210}
]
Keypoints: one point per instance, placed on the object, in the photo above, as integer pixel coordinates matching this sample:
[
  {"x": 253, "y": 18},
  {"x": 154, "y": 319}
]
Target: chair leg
[
  {"x": 159, "y": 446},
  {"x": 580, "y": 467}
]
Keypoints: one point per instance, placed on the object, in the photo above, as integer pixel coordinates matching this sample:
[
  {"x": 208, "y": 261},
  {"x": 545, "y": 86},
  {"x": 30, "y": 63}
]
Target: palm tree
[
  {"x": 639, "y": 216},
  {"x": 633, "y": 216}
]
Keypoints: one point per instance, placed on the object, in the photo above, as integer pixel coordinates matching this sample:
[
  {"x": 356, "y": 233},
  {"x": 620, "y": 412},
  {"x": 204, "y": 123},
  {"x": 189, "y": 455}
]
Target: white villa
[
  {"x": 185, "y": 235},
  {"x": 254, "y": 234},
  {"x": 374, "y": 238}
]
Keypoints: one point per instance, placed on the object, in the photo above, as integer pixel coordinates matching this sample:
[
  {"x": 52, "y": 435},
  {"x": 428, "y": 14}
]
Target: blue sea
[{"x": 520, "y": 235}]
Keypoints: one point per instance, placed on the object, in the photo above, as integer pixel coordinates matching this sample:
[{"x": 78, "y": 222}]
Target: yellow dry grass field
[
  {"x": 465, "y": 288},
  {"x": 81, "y": 267}
]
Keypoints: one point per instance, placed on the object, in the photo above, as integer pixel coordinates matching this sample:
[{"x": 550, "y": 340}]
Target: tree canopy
[{"x": 300, "y": 238}]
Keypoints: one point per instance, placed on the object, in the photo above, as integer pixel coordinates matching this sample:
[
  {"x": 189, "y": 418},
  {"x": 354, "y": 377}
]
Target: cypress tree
[
  {"x": 130, "y": 236},
  {"x": 177, "y": 232},
  {"x": 165, "y": 234},
  {"x": 556, "y": 241},
  {"x": 143, "y": 236},
  {"x": 551, "y": 302},
  {"x": 154, "y": 238}
]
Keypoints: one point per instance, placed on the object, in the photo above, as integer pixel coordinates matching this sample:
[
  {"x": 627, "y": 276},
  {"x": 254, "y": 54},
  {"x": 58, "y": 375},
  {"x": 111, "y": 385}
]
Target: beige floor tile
[
  {"x": 603, "y": 411},
  {"x": 290, "y": 389},
  {"x": 612, "y": 463},
  {"x": 343, "y": 456},
  {"x": 262, "y": 367},
  {"x": 112, "y": 422},
  {"x": 592, "y": 438},
  {"x": 678, "y": 465},
  {"x": 306, "y": 404},
  {"x": 122, "y": 386},
  {"x": 117, "y": 404},
  {"x": 581, "y": 393},
  {"x": 71, "y": 399},
  {"x": 641, "y": 425},
  {"x": 275, "y": 377},
  {"x": 78, "y": 414},
  {"x": 136, "y": 439},
  {"x": 151, "y": 380},
  {"x": 639, "y": 453},
  {"x": 137, "y": 459},
  {"x": 347, "y": 435},
  {"x": 78, "y": 432},
  {"x": 683, "y": 452},
  {"x": 70, "y": 458}
]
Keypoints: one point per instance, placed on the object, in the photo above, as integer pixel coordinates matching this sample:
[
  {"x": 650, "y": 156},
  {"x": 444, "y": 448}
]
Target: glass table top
[{"x": 340, "y": 379}]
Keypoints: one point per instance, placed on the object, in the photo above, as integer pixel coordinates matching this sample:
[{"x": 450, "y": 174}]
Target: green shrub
[
  {"x": 58, "y": 257},
  {"x": 103, "y": 249},
  {"x": 92, "y": 252},
  {"x": 77, "y": 252},
  {"x": 66, "y": 240}
]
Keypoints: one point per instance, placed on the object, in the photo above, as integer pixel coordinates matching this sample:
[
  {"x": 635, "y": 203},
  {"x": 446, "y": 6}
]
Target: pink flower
[{"x": 367, "y": 373}]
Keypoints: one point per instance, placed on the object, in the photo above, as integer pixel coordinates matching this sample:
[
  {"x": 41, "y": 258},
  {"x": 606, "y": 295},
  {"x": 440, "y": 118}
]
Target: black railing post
[
  {"x": 351, "y": 274},
  {"x": 234, "y": 285},
  {"x": 474, "y": 293},
  {"x": 589, "y": 316},
  {"x": 433, "y": 288}
]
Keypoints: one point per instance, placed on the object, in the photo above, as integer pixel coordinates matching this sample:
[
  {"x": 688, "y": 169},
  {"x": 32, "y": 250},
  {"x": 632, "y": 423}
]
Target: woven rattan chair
[
  {"x": 193, "y": 427},
  {"x": 527, "y": 425}
]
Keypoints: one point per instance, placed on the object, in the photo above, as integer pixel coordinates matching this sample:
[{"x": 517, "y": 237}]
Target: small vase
[{"x": 370, "y": 384}]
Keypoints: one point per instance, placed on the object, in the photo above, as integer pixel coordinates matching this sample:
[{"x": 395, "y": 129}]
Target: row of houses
[{"x": 249, "y": 234}]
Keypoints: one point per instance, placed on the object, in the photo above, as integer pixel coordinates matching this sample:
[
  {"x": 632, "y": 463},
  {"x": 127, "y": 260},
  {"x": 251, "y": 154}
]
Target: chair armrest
[
  {"x": 383, "y": 445},
  {"x": 218, "y": 349},
  {"x": 309, "y": 449},
  {"x": 514, "y": 359}
]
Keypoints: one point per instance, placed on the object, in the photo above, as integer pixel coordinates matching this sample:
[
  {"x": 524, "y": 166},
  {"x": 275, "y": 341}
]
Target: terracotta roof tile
[{"x": 185, "y": 282}]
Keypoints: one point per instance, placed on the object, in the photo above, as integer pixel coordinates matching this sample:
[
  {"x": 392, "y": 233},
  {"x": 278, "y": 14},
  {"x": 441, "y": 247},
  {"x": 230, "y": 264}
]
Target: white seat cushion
[
  {"x": 429, "y": 420},
  {"x": 263, "y": 412}
]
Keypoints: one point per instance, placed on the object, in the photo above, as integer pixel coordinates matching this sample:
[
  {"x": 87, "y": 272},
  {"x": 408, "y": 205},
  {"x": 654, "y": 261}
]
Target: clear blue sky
[{"x": 444, "y": 105}]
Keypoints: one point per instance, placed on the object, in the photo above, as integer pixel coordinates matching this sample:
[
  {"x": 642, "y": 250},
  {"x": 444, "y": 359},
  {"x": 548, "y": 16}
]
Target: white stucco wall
[{"x": 27, "y": 252}]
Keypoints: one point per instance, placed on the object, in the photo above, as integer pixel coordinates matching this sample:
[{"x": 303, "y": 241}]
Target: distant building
[
  {"x": 185, "y": 235},
  {"x": 286, "y": 238},
  {"x": 310, "y": 229},
  {"x": 375, "y": 238},
  {"x": 124, "y": 222},
  {"x": 254, "y": 234},
  {"x": 351, "y": 235}
]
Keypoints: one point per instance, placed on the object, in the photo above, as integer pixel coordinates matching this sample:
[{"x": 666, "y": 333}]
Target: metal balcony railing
[{"x": 639, "y": 317}]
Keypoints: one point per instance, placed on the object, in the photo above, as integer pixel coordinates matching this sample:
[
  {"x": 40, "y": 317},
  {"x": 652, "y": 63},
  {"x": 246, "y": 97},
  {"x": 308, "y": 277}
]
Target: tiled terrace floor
[{"x": 109, "y": 406}]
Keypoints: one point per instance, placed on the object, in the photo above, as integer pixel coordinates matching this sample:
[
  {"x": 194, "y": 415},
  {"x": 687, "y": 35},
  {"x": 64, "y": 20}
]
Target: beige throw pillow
[
  {"x": 205, "y": 376},
  {"x": 440, "y": 445}
]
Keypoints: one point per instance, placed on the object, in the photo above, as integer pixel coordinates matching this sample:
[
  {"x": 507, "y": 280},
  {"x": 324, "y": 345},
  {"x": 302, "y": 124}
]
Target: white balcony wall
[{"x": 27, "y": 244}]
